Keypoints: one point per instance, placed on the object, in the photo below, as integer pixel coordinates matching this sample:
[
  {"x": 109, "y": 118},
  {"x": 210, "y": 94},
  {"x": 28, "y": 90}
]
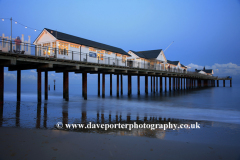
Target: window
[
  {"x": 100, "y": 51},
  {"x": 100, "y": 56},
  {"x": 74, "y": 46},
  {"x": 92, "y": 49},
  {"x": 46, "y": 48},
  {"x": 92, "y": 54},
  {"x": 118, "y": 55},
  {"x": 124, "y": 59},
  {"x": 107, "y": 52},
  {"x": 63, "y": 48}
]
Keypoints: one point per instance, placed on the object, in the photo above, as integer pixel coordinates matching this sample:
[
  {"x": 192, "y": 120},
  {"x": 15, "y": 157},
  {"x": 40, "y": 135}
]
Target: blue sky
[{"x": 205, "y": 32}]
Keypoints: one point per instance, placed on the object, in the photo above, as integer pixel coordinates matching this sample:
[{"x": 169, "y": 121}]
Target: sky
[{"x": 205, "y": 32}]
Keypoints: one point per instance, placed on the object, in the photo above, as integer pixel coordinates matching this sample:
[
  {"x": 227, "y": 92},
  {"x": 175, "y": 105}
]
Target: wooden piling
[
  {"x": 170, "y": 84},
  {"x": 121, "y": 84},
  {"x": 1, "y": 85},
  {"x": 111, "y": 83},
  {"x": 154, "y": 84},
  {"x": 98, "y": 84},
  {"x": 151, "y": 84},
  {"x": 18, "y": 85},
  {"x": 174, "y": 84},
  {"x": 66, "y": 84},
  {"x": 223, "y": 83},
  {"x": 39, "y": 72},
  {"x": 160, "y": 83},
  {"x": 146, "y": 84},
  {"x": 129, "y": 85},
  {"x": 46, "y": 85},
  {"x": 117, "y": 85},
  {"x": 103, "y": 85},
  {"x": 165, "y": 84},
  {"x": 217, "y": 83},
  {"x": 85, "y": 85},
  {"x": 230, "y": 83},
  {"x": 138, "y": 83}
]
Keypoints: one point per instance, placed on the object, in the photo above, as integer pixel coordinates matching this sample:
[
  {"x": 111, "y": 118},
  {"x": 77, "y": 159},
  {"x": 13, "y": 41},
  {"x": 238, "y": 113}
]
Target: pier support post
[
  {"x": 178, "y": 83},
  {"x": 46, "y": 85},
  {"x": 223, "y": 83},
  {"x": 121, "y": 84},
  {"x": 138, "y": 83},
  {"x": 160, "y": 83},
  {"x": 103, "y": 85},
  {"x": 174, "y": 84},
  {"x": 129, "y": 85},
  {"x": 117, "y": 85},
  {"x": 230, "y": 83},
  {"x": 181, "y": 83},
  {"x": 66, "y": 90},
  {"x": 165, "y": 84},
  {"x": 18, "y": 85},
  {"x": 146, "y": 84},
  {"x": 156, "y": 83},
  {"x": 184, "y": 85},
  {"x": 98, "y": 84},
  {"x": 85, "y": 85},
  {"x": 111, "y": 84},
  {"x": 1, "y": 85},
  {"x": 170, "y": 84},
  {"x": 82, "y": 85},
  {"x": 217, "y": 83},
  {"x": 153, "y": 84},
  {"x": 39, "y": 85}
]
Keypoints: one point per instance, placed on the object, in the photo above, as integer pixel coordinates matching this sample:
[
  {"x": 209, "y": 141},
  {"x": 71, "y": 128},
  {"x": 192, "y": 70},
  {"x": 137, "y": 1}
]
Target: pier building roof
[{"x": 82, "y": 41}]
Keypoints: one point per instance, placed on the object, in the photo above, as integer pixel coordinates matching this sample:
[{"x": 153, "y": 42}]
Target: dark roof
[
  {"x": 183, "y": 66},
  {"x": 148, "y": 54},
  {"x": 69, "y": 38},
  {"x": 173, "y": 62},
  {"x": 206, "y": 70}
]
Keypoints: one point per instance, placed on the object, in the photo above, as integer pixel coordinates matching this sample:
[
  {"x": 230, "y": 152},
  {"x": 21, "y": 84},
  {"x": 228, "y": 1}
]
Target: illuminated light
[
  {"x": 2, "y": 19},
  {"x": 35, "y": 30},
  {"x": 26, "y": 27},
  {"x": 15, "y": 22}
]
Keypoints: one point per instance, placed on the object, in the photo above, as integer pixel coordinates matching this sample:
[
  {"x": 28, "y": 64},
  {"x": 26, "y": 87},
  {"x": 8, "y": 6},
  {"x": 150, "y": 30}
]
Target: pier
[{"x": 177, "y": 80}]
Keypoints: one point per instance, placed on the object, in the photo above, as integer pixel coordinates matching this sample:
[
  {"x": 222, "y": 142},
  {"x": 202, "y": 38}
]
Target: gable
[
  {"x": 133, "y": 54},
  {"x": 44, "y": 37},
  {"x": 161, "y": 57}
]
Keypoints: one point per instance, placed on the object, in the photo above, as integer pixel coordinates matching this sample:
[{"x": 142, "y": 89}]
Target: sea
[{"x": 216, "y": 109}]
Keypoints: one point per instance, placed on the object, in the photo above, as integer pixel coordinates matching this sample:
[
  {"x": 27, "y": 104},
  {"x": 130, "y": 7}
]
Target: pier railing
[{"x": 58, "y": 53}]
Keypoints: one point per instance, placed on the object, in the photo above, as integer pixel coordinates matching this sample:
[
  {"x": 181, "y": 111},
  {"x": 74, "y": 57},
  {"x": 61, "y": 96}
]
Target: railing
[{"x": 56, "y": 53}]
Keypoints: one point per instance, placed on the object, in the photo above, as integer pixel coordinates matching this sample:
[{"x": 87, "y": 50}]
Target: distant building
[
  {"x": 176, "y": 65},
  {"x": 205, "y": 71},
  {"x": 61, "y": 45}
]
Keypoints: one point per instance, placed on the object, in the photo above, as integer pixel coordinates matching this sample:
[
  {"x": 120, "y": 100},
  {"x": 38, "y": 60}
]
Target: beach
[{"x": 17, "y": 143}]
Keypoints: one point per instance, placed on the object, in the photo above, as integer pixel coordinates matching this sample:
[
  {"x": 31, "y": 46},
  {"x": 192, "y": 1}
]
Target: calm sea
[{"x": 208, "y": 106}]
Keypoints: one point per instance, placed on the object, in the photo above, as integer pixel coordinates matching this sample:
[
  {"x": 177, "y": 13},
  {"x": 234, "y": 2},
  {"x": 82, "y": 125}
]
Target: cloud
[
  {"x": 228, "y": 69},
  {"x": 33, "y": 71},
  {"x": 28, "y": 77},
  {"x": 9, "y": 76}
]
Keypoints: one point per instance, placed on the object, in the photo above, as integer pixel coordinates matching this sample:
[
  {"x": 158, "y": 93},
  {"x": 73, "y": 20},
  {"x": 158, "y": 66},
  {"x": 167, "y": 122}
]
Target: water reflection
[{"x": 18, "y": 114}]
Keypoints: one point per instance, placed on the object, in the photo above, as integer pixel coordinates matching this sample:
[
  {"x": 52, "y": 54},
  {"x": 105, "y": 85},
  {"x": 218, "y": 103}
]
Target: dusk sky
[{"x": 205, "y": 32}]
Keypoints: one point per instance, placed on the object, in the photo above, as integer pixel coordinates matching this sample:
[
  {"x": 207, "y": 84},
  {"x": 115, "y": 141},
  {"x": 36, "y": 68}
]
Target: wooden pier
[{"x": 177, "y": 81}]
